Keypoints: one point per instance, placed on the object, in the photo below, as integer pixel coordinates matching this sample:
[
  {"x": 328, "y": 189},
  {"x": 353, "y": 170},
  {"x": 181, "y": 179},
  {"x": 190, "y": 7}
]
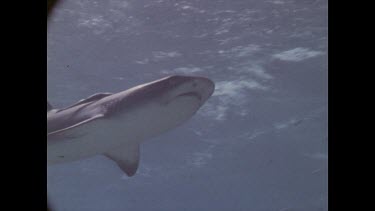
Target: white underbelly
[{"x": 91, "y": 139}]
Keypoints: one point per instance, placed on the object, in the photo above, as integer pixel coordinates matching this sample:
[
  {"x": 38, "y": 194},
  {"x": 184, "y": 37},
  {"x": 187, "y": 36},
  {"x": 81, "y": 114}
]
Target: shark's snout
[
  {"x": 204, "y": 87},
  {"x": 199, "y": 88}
]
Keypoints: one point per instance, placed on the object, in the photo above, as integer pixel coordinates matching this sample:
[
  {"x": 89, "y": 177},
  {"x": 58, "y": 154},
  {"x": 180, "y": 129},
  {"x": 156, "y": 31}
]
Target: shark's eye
[{"x": 195, "y": 84}]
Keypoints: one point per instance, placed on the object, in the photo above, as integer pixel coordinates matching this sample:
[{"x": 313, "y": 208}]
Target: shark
[{"x": 115, "y": 124}]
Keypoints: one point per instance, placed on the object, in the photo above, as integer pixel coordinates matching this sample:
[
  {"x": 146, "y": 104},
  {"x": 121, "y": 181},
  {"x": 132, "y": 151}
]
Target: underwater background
[{"x": 259, "y": 143}]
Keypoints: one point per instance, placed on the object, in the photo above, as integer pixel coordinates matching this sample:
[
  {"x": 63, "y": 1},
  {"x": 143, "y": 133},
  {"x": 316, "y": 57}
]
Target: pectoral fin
[
  {"x": 66, "y": 130},
  {"x": 127, "y": 158}
]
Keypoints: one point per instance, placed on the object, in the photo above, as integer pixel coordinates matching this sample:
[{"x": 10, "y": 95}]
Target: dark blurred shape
[{"x": 50, "y": 5}]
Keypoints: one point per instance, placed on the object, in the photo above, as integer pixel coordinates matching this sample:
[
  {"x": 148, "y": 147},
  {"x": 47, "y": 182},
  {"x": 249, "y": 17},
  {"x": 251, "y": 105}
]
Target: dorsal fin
[
  {"x": 92, "y": 98},
  {"x": 49, "y": 107}
]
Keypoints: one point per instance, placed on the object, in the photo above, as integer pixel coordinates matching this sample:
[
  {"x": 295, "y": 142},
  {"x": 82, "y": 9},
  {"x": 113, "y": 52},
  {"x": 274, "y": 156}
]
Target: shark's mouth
[{"x": 191, "y": 94}]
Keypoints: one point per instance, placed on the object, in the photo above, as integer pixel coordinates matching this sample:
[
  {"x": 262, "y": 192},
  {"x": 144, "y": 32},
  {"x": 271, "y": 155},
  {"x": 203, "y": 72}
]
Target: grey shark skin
[{"x": 114, "y": 125}]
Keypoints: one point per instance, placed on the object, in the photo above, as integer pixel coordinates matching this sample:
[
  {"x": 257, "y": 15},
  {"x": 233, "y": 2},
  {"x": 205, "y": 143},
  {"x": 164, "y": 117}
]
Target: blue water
[{"x": 259, "y": 143}]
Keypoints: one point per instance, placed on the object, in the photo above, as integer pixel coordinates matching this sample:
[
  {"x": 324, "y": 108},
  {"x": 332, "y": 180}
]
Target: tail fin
[{"x": 49, "y": 107}]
